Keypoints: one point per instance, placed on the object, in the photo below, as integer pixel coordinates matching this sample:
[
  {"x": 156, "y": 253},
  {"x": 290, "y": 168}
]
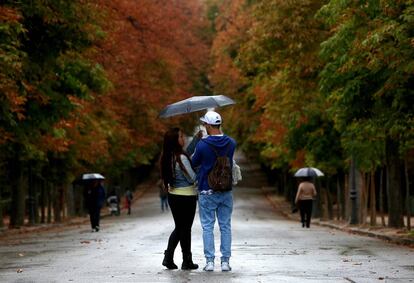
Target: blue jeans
[{"x": 210, "y": 206}]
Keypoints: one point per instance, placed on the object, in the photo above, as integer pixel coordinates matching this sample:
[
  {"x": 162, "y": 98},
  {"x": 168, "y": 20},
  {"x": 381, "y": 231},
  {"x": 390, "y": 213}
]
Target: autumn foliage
[
  {"x": 153, "y": 54},
  {"x": 82, "y": 83},
  {"x": 320, "y": 83},
  {"x": 317, "y": 83}
]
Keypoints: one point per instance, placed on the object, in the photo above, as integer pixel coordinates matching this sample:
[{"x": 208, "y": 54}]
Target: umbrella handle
[{"x": 202, "y": 131}]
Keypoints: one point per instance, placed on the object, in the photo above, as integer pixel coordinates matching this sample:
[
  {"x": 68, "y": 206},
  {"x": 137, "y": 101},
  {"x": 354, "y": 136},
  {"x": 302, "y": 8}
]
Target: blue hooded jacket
[{"x": 204, "y": 156}]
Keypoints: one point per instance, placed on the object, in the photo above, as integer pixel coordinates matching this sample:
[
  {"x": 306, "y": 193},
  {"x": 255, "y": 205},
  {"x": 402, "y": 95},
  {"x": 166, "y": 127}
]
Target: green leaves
[
  {"x": 365, "y": 74},
  {"x": 80, "y": 77},
  {"x": 325, "y": 80}
]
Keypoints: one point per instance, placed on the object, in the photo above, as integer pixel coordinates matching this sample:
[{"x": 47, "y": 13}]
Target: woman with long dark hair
[{"x": 178, "y": 178}]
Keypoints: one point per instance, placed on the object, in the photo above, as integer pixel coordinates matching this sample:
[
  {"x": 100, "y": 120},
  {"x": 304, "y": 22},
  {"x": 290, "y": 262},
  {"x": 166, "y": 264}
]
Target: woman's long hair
[{"x": 171, "y": 152}]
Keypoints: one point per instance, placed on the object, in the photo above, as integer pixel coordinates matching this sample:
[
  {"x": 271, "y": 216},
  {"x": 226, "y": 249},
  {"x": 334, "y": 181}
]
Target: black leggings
[
  {"x": 94, "y": 215},
  {"x": 305, "y": 207},
  {"x": 183, "y": 209}
]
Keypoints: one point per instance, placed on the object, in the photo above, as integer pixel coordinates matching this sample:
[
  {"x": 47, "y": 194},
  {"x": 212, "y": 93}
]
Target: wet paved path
[{"x": 266, "y": 248}]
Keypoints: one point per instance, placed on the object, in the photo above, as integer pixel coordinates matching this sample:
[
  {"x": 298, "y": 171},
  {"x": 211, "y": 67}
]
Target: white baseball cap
[{"x": 211, "y": 118}]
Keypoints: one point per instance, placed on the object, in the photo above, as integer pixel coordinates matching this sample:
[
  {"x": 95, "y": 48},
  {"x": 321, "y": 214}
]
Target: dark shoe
[
  {"x": 188, "y": 262},
  {"x": 169, "y": 260}
]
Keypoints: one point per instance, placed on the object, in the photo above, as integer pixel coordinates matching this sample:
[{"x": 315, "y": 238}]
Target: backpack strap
[{"x": 215, "y": 150}]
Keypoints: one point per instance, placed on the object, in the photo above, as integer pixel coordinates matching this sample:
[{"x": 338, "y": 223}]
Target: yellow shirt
[{"x": 183, "y": 191}]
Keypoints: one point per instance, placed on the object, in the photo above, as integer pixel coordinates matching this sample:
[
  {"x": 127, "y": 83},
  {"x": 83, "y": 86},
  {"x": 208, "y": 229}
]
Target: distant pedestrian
[
  {"x": 163, "y": 195},
  {"x": 214, "y": 157},
  {"x": 178, "y": 177},
  {"x": 128, "y": 200},
  {"x": 95, "y": 199},
  {"x": 304, "y": 200}
]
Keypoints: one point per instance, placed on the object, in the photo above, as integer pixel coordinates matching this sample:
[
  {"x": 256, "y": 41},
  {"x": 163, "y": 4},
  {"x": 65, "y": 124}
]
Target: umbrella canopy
[
  {"x": 195, "y": 103},
  {"x": 308, "y": 172},
  {"x": 92, "y": 176}
]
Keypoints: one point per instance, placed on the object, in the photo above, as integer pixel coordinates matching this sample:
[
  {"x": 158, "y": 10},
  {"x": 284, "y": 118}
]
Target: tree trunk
[
  {"x": 329, "y": 199},
  {"x": 317, "y": 210},
  {"x": 285, "y": 186},
  {"x": 18, "y": 202},
  {"x": 42, "y": 202},
  {"x": 36, "y": 199},
  {"x": 347, "y": 202},
  {"x": 49, "y": 202},
  {"x": 70, "y": 201},
  {"x": 1, "y": 213},
  {"x": 57, "y": 204},
  {"x": 31, "y": 196},
  {"x": 381, "y": 201},
  {"x": 395, "y": 211},
  {"x": 354, "y": 193},
  {"x": 373, "y": 201},
  {"x": 364, "y": 199},
  {"x": 407, "y": 194},
  {"x": 344, "y": 193},
  {"x": 339, "y": 204},
  {"x": 324, "y": 204},
  {"x": 63, "y": 201}
]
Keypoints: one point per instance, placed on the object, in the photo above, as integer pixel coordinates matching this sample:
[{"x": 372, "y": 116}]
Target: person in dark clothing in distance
[
  {"x": 163, "y": 193},
  {"x": 128, "y": 200},
  {"x": 95, "y": 198}
]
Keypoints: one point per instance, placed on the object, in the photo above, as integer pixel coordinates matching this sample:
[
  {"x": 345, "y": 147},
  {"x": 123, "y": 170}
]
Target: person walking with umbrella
[
  {"x": 306, "y": 193},
  {"x": 304, "y": 200},
  {"x": 95, "y": 198}
]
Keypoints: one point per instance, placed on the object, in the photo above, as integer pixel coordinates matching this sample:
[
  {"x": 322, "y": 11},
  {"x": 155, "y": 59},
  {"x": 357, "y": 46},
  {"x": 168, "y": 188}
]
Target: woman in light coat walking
[{"x": 304, "y": 200}]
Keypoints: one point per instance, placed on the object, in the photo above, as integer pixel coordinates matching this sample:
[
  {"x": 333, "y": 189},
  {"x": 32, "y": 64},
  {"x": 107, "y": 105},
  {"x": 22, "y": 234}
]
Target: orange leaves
[
  {"x": 299, "y": 161},
  {"x": 5, "y": 136},
  {"x": 266, "y": 52},
  {"x": 54, "y": 144},
  {"x": 261, "y": 97},
  {"x": 16, "y": 102},
  {"x": 9, "y": 15},
  {"x": 57, "y": 140},
  {"x": 270, "y": 131},
  {"x": 151, "y": 52}
]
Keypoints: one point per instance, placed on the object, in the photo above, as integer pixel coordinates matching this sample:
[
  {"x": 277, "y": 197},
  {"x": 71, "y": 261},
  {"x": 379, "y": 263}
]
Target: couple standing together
[{"x": 179, "y": 176}]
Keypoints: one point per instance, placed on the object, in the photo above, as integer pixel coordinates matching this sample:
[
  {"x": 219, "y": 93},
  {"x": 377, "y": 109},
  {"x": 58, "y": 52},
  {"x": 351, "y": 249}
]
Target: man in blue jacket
[{"x": 214, "y": 204}]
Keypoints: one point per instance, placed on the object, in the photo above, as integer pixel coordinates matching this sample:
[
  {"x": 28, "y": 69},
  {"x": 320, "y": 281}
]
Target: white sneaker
[
  {"x": 209, "y": 266},
  {"x": 225, "y": 266}
]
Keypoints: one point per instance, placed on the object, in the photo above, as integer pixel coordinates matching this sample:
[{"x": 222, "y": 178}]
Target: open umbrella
[
  {"x": 92, "y": 176},
  {"x": 308, "y": 172},
  {"x": 195, "y": 103}
]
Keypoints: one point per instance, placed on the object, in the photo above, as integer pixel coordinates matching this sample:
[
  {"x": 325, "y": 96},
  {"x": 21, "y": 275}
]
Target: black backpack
[{"x": 220, "y": 176}]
